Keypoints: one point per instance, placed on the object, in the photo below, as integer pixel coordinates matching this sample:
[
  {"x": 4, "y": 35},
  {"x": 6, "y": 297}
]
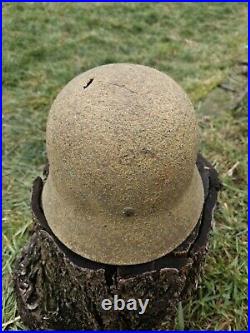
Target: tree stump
[{"x": 58, "y": 289}]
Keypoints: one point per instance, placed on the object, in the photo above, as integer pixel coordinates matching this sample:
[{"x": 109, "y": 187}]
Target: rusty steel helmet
[{"x": 123, "y": 187}]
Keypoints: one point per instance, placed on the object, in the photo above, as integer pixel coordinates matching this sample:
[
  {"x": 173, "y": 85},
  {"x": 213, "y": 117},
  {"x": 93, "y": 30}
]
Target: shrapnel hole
[{"x": 88, "y": 83}]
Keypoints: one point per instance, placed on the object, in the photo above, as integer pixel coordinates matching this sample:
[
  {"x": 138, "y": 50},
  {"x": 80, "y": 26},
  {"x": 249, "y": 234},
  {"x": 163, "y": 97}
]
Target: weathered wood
[{"x": 58, "y": 289}]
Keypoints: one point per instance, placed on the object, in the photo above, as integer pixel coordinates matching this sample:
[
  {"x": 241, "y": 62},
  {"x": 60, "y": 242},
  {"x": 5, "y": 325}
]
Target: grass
[
  {"x": 222, "y": 301},
  {"x": 45, "y": 45}
]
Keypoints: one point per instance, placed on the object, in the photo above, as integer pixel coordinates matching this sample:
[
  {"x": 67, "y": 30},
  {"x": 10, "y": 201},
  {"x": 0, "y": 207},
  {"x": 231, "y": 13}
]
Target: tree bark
[{"x": 58, "y": 289}]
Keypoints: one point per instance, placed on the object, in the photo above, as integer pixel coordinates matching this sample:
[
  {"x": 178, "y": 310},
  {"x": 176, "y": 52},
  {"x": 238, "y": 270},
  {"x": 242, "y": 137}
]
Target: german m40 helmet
[{"x": 123, "y": 187}]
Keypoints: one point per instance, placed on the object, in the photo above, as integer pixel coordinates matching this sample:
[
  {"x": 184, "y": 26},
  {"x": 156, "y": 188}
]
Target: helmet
[{"x": 123, "y": 187}]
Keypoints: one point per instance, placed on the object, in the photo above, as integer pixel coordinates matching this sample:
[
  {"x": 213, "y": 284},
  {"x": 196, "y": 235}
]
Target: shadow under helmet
[{"x": 123, "y": 187}]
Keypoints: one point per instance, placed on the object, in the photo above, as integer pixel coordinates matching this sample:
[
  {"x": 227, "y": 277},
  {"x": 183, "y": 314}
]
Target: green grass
[
  {"x": 222, "y": 301},
  {"x": 45, "y": 45}
]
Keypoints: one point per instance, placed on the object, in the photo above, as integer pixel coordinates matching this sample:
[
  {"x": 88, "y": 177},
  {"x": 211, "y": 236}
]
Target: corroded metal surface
[{"x": 122, "y": 143}]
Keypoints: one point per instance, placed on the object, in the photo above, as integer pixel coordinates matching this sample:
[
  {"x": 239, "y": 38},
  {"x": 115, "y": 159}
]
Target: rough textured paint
[{"x": 122, "y": 143}]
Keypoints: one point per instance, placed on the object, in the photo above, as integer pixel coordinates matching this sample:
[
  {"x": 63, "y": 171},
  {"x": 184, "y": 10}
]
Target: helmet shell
[{"x": 123, "y": 187}]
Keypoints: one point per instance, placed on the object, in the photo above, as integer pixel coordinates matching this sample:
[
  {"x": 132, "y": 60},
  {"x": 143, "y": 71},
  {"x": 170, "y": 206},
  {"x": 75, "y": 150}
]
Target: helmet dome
[{"x": 123, "y": 187}]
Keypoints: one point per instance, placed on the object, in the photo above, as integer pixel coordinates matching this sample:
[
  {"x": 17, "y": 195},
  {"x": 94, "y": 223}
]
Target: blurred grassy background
[{"x": 45, "y": 45}]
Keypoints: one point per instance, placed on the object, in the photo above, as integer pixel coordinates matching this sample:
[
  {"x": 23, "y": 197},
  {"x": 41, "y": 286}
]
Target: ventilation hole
[{"x": 128, "y": 211}]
